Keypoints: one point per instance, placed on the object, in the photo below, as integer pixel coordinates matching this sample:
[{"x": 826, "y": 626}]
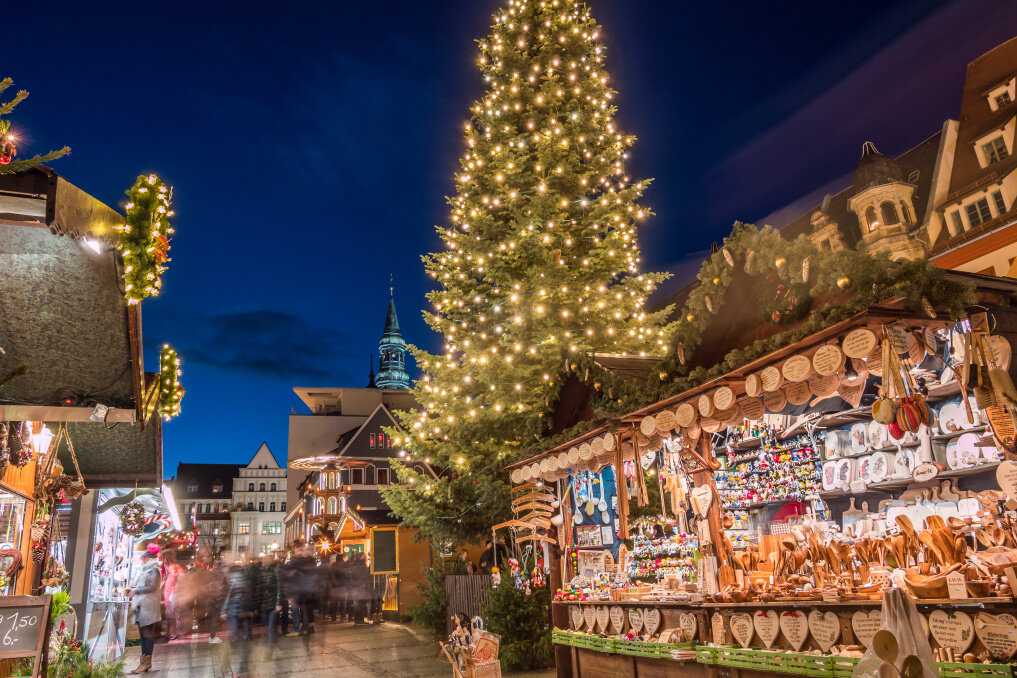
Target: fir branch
[{"x": 22, "y": 165}]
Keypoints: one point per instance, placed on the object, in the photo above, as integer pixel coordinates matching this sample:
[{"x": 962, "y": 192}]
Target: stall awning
[{"x": 115, "y": 455}]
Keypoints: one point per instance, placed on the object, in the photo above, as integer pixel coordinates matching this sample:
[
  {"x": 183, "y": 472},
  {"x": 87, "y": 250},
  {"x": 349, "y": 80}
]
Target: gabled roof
[
  {"x": 263, "y": 458},
  {"x": 380, "y": 414},
  {"x": 205, "y": 476}
]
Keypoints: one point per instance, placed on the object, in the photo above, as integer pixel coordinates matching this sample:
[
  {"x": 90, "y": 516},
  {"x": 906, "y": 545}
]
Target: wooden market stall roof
[{"x": 990, "y": 290}]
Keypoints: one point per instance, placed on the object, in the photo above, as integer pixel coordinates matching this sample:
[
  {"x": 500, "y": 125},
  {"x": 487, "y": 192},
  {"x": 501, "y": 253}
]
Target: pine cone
[
  {"x": 709, "y": 303},
  {"x": 805, "y": 270},
  {"x": 927, "y": 307},
  {"x": 750, "y": 256},
  {"x": 728, "y": 257}
]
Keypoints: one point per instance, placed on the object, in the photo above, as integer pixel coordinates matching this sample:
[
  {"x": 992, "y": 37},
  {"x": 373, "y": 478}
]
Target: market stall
[{"x": 788, "y": 495}]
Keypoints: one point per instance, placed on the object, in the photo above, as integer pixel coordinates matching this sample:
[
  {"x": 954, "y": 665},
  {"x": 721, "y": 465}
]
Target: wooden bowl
[
  {"x": 979, "y": 589},
  {"x": 927, "y": 587}
]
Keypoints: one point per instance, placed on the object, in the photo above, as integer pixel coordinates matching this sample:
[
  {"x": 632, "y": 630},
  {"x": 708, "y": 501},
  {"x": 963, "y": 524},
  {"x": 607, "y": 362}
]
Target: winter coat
[
  {"x": 337, "y": 583},
  {"x": 271, "y": 590},
  {"x": 359, "y": 580},
  {"x": 146, "y": 602},
  {"x": 170, "y": 581},
  {"x": 238, "y": 601}
]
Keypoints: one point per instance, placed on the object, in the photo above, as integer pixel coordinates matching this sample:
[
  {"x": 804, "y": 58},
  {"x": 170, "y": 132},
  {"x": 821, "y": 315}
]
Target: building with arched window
[
  {"x": 258, "y": 528},
  {"x": 204, "y": 497}
]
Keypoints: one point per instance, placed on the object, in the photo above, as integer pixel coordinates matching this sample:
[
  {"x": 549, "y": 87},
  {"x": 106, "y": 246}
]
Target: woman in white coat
[{"x": 146, "y": 604}]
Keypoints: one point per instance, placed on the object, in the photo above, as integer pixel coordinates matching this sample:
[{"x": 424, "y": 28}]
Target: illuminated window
[
  {"x": 217, "y": 488},
  {"x": 243, "y": 528},
  {"x": 870, "y": 218},
  {"x": 271, "y": 528},
  {"x": 373, "y": 441},
  {"x": 319, "y": 506},
  {"x": 333, "y": 506}
]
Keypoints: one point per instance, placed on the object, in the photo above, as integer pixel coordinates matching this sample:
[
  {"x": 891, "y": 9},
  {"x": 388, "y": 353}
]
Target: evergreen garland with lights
[
  {"x": 541, "y": 266},
  {"x": 144, "y": 238},
  {"x": 170, "y": 390},
  {"x": 8, "y": 142}
]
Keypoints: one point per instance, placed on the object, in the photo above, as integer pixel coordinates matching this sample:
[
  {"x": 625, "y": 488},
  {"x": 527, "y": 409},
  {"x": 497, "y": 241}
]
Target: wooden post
[
  {"x": 704, "y": 477},
  {"x": 623, "y": 492}
]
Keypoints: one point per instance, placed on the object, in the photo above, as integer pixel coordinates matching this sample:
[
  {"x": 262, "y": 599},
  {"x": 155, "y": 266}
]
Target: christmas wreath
[
  {"x": 144, "y": 238},
  {"x": 170, "y": 390},
  {"x": 132, "y": 519}
]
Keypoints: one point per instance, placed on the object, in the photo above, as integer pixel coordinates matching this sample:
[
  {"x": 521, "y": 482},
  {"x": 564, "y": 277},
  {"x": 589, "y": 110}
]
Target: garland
[
  {"x": 132, "y": 519},
  {"x": 803, "y": 272},
  {"x": 145, "y": 237},
  {"x": 170, "y": 390}
]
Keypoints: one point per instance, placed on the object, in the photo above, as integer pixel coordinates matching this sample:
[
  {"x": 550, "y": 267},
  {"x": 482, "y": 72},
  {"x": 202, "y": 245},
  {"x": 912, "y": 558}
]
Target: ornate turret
[
  {"x": 392, "y": 367},
  {"x": 883, "y": 201}
]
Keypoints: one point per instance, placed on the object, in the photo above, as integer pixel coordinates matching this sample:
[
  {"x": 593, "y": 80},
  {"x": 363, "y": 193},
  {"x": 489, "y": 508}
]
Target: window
[
  {"x": 958, "y": 224},
  {"x": 192, "y": 486},
  {"x": 271, "y": 506},
  {"x": 995, "y": 150},
  {"x": 333, "y": 506},
  {"x": 271, "y": 528},
  {"x": 261, "y": 487},
  {"x": 997, "y": 198},
  {"x": 272, "y": 487},
  {"x": 889, "y": 213},
  {"x": 870, "y": 218},
  {"x": 208, "y": 508},
  {"x": 283, "y": 506},
  {"x": 319, "y": 506},
  {"x": 357, "y": 476},
  {"x": 331, "y": 481},
  {"x": 1003, "y": 99},
  {"x": 217, "y": 488},
  {"x": 198, "y": 508},
  {"x": 250, "y": 506},
  {"x": 374, "y": 441},
  {"x": 905, "y": 213},
  {"x": 369, "y": 477},
  {"x": 261, "y": 506},
  {"x": 250, "y": 487},
  {"x": 383, "y": 476},
  {"x": 978, "y": 212},
  {"x": 243, "y": 528},
  {"x": 215, "y": 507}
]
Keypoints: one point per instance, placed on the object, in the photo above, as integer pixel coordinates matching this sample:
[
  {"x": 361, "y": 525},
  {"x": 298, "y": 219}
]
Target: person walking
[
  {"x": 359, "y": 582},
  {"x": 172, "y": 571},
  {"x": 336, "y": 587},
  {"x": 238, "y": 609},
  {"x": 271, "y": 601},
  {"x": 146, "y": 605}
]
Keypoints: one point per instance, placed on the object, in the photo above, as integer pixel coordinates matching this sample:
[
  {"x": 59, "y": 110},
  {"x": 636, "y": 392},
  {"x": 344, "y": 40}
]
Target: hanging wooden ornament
[{"x": 884, "y": 411}]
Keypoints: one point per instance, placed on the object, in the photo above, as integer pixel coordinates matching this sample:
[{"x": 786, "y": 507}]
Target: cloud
[{"x": 266, "y": 342}]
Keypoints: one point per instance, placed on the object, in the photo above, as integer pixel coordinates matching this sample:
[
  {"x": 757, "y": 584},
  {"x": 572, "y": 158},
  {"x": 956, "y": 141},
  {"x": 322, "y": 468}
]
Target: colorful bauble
[
  {"x": 132, "y": 519},
  {"x": 925, "y": 413},
  {"x": 884, "y": 411}
]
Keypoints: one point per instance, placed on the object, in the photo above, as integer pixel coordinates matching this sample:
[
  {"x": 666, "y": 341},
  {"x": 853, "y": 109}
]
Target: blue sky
[{"x": 310, "y": 146}]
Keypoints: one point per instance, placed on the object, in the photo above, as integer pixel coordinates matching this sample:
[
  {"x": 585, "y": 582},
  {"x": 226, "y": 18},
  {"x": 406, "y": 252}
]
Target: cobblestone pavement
[{"x": 387, "y": 650}]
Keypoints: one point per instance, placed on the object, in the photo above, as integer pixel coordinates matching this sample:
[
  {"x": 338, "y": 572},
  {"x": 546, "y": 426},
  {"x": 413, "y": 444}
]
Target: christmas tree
[
  {"x": 8, "y": 141},
  {"x": 540, "y": 266}
]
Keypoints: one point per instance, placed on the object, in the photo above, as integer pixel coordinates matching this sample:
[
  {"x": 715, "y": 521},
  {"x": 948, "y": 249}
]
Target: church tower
[{"x": 392, "y": 366}]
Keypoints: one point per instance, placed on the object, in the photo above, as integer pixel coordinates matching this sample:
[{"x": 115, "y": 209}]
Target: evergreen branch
[
  {"x": 16, "y": 372},
  {"x": 22, "y": 165},
  {"x": 5, "y": 109}
]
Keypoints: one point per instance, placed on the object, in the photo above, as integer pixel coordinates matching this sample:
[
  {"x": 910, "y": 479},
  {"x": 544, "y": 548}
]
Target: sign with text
[{"x": 24, "y": 629}]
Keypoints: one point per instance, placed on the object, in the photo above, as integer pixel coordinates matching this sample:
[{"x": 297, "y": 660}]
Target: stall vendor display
[{"x": 794, "y": 494}]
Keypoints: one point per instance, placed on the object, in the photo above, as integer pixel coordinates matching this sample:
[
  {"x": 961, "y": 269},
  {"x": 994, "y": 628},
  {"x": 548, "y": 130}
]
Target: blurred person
[
  {"x": 271, "y": 601},
  {"x": 359, "y": 582},
  {"x": 146, "y": 605},
  {"x": 464, "y": 564},
  {"x": 210, "y": 594},
  {"x": 238, "y": 609},
  {"x": 336, "y": 580},
  {"x": 172, "y": 571},
  {"x": 301, "y": 583},
  {"x": 185, "y": 594}
]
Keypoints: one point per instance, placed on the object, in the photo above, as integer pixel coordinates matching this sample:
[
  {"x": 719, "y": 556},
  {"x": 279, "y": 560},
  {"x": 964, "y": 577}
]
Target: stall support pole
[
  {"x": 704, "y": 477},
  {"x": 623, "y": 493}
]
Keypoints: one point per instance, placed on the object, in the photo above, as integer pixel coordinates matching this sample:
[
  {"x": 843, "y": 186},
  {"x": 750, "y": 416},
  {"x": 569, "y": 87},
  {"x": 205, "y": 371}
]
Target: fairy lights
[{"x": 170, "y": 390}]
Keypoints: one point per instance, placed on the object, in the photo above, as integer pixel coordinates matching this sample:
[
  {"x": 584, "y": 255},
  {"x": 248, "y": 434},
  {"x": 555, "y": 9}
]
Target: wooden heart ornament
[
  {"x": 617, "y": 619},
  {"x": 998, "y": 633},
  {"x": 636, "y": 620},
  {"x": 767, "y": 625},
  {"x": 576, "y": 614},
  {"x": 825, "y": 628},
  {"x": 702, "y": 498},
  {"x": 603, "y": 618},
  {"x": 865, "y": 624},
  {"x": 651, "y": 621},
  {"x": 952, "y": 629},
  {"x": 795, "y": 628},
  {"x": 590, "y": 617},
  {"x": 689, "y": 625},
  {"x": 741, "y": 628}
]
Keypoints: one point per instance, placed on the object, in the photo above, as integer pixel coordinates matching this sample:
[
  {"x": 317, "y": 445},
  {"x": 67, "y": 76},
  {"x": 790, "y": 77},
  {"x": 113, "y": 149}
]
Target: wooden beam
[{"x": 56, "y": 413}]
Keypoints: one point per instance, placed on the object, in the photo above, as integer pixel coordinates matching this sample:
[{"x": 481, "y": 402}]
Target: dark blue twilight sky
[{"x": 311, "y": 145}]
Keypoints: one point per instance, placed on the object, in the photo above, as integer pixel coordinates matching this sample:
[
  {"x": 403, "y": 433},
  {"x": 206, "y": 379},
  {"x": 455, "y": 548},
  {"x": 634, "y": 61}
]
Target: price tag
[
  {"x": 955, "y": 584},
  {"x": 857, "y": 486}
]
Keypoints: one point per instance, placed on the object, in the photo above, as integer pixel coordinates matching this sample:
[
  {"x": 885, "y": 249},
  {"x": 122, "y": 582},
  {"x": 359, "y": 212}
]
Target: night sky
[{"x": 311, "y": 144}]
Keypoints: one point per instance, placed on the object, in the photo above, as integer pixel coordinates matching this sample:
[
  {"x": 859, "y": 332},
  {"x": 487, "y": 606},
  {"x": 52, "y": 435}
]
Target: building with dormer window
[{"x": 259, "y": 499}]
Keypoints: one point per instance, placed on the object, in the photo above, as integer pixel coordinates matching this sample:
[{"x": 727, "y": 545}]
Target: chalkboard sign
[
  {"x": 24, "y": 629},
  {"x": 383, "y": 551}
]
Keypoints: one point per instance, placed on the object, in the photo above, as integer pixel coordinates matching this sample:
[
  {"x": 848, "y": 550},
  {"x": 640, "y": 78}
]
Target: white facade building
[{"x": 259, "y": 501}]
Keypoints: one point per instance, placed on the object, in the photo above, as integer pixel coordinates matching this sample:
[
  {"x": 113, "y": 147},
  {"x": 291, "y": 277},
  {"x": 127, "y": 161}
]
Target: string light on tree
[
  {"x": 145, "y": 237},
  {"x": 540, "y": 262},
  {"x": 170, "y": 390}
]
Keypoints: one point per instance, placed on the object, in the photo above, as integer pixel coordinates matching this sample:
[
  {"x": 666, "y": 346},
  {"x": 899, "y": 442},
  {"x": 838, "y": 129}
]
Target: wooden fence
[{"x": 465, "y": 594}]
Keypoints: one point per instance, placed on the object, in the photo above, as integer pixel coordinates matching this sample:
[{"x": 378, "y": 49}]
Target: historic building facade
[
  {"x": 204, "y": 496},
  {"x": 950, "y": 198},
  {"x": 259, "y": 500}
]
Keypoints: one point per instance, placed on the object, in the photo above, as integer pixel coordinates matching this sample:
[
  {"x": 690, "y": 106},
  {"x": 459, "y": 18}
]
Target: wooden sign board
[{"x": 25, "y": 629}]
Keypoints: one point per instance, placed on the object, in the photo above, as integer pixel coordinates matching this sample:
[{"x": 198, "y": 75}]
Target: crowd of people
[{"x": 285, "y": 595}]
